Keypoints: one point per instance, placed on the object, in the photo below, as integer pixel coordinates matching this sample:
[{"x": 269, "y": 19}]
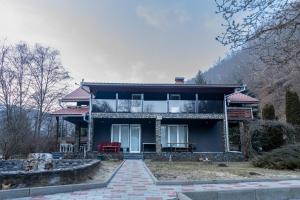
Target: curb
[
  {"x": 200, "y": 182},
  {"x": 47, "y": 190},
  {"x": 154, "y": 179},
  {"x": 280, "y": 193}
]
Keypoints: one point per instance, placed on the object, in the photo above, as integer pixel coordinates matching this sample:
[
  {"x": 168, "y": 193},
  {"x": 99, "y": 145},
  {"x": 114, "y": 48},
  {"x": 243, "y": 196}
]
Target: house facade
[{"x": 154, "y": 117}]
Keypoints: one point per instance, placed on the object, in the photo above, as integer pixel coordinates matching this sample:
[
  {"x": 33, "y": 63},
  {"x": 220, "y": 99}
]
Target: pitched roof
[
  {"x": 241, "y": 98},
  {"x": 71, "y": 111},
  {"x": 80, "y": 94}
]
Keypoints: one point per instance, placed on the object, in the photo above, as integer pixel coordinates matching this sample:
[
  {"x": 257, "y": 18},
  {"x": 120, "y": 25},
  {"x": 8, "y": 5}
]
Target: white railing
[
  {"x": 83, "y": 149},
  {"x": 66, "y": 148}
]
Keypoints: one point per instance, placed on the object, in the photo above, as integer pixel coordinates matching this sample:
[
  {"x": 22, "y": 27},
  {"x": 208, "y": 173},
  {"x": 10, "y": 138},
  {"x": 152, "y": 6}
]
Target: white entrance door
[{"x": 135, "y": 138}]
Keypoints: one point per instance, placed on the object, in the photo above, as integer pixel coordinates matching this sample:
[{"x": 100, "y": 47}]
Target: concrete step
[
  {"x": 57, "y": 155},
  {"x": 134, "y": 156}
]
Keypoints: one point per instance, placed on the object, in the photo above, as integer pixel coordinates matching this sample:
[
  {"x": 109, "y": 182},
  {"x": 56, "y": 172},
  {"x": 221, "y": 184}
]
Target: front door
[{"x": 135, "y": 138}]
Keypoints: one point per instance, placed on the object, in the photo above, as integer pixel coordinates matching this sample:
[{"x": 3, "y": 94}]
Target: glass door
[
  {"x": 124, "y": 137},
  {"x": 135, "y": 136},
  {"x": 173, "y": 136}
]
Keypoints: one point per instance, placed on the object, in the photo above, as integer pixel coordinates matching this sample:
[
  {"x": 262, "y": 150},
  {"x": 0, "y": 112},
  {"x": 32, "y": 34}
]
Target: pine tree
[
  {"x": 292, "y": 107},
  {"x": 268, "y": 112},
  {"x": 199, "y": 79}
]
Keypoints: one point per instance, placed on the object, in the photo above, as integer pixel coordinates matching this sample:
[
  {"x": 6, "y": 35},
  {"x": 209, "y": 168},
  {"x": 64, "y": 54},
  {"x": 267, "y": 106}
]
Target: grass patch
[
  {"x": 186, "y": 171},
  {"x": 104, "y": 172}
]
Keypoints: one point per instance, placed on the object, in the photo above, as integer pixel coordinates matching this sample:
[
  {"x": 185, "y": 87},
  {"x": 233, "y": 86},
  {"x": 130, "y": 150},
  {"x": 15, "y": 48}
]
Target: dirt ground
[
  {"x": 183, "y": 171},
  {"x": 105, "y": 171}
]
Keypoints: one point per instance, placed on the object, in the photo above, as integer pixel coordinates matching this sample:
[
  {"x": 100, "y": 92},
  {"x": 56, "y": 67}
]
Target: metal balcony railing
[{"x": 157, "y": 106}]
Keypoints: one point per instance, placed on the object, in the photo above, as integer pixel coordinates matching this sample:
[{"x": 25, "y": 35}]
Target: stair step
[
  {"x": 57, "y": 155},
  {"x": 134, "y": 156}
]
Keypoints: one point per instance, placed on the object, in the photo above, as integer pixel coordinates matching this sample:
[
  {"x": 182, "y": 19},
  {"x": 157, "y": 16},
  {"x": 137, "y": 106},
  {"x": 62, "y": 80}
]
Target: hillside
[{"x": 267, "y": 82}]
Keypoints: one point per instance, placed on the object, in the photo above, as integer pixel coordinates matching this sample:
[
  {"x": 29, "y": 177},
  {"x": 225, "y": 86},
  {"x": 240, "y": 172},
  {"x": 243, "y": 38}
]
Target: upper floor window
[
  {"x": 175, "y": 97},
  {"x": 136, "y": 96},
  {"x": 136, "y": 103}
]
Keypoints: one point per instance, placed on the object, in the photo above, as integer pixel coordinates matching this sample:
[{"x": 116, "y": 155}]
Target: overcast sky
[{"x": 119, "y": 40}]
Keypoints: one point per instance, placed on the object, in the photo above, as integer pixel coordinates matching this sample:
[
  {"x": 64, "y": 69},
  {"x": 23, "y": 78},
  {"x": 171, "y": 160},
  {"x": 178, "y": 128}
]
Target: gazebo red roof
[
  {"x": 241, "y": 98},
  {"x": 71, "y": 111},
  {"x": 80, "y": 94}
]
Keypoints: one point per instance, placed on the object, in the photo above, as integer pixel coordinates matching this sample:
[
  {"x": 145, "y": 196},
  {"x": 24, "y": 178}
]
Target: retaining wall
[{"x": 64, "y": 172}]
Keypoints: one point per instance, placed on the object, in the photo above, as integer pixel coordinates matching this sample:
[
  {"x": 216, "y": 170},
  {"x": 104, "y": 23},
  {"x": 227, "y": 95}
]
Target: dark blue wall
[{"x": 206, "y": 134}]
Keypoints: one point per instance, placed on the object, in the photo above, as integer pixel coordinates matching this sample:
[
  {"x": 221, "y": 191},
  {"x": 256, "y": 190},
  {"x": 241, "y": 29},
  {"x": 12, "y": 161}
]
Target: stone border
[
  {"x": 47, "y": 190},
  {"x": 200, "y": 182},
  {"x": 278, "y": 193}
]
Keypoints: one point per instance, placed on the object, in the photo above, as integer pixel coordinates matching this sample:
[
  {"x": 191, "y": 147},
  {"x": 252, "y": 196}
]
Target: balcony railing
[{"x": 157, "y": 106}]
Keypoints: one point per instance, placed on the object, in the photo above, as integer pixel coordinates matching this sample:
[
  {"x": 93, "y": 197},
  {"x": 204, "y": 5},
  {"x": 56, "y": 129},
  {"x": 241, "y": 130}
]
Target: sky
[{"x": 119, "y": 40}]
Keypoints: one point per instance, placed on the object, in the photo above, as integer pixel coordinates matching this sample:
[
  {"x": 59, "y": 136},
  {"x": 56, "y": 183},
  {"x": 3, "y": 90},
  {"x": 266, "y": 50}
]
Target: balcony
[
  {"x": 238, "y": 113},
  {"x": 157, "y": 106}
]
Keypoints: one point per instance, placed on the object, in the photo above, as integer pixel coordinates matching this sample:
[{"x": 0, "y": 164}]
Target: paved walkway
[{"x": 133, "y": 182}]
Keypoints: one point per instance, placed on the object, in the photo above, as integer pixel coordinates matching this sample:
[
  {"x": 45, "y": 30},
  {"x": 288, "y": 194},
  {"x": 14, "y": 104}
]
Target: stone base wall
[
  {"x": 187, "y": 156},
  {"x": 64, "y": 172},
  {"x": 182, "y": 156}
]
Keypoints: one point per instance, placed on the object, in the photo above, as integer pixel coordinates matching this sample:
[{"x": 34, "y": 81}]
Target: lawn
[
  {"x": 104, "y": 172},
  {"x": 183, "y": 171}
]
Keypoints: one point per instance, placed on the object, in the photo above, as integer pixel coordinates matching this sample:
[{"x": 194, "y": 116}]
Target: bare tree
[
  {"x": 20, "y": 59},
  {"x": 14, "y": 125},
  {"x": 7, "y": 77},
  {"x": 49, "y": 80},
  {"x": 31, "y": 80},
  {"x": 272, "y": 26}
]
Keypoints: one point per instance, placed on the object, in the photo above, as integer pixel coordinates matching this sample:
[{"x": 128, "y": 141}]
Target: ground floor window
[
  {"x": 120, "y": 133},
  {"x": 174, "y": 135},
  {"x": 129, "y": 135}
]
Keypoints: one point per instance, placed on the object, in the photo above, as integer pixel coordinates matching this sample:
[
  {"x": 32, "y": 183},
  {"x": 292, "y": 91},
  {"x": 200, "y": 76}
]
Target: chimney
[{"x": 179, "y": 80}]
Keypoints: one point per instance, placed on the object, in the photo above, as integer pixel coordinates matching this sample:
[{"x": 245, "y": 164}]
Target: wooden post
[
  {"x": 158, "y": 134},
  {"x": 243, "y": 137},
  {"x": 57, "y": 133}
]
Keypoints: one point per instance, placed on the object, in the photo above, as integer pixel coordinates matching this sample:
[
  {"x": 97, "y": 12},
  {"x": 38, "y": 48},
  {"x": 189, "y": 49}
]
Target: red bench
[{"x": 109, "y": 147}]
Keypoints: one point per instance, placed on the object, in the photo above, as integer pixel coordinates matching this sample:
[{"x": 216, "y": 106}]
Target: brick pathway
[{"x": 133, "y": 182}]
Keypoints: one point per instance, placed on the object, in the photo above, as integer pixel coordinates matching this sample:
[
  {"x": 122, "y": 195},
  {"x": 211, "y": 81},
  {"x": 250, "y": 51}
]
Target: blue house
[{"x": 156, "y": 118}]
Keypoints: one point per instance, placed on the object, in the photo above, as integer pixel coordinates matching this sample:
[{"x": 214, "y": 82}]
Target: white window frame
[
  {"x": 177, "y": 132},
  {"x": 140, "y": 132},
  {"x": 119, "y": 137},
  {"x": 129, "y": 136}
]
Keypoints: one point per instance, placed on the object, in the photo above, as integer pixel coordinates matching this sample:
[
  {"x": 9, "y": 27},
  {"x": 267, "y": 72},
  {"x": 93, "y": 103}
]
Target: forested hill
[{"x": 267, "y": 82}]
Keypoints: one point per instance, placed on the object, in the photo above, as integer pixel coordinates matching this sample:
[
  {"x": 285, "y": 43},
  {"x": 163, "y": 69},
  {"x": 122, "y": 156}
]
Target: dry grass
[
  {"x": 198, "y": 171},
  {"x": 105, "y": 171}
]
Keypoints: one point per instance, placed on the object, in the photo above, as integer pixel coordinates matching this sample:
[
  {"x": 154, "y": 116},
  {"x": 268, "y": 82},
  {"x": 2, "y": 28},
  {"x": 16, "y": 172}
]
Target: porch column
[
  {"x": 158, "y": 134},
  {"x": 57, "y": 133},
  {"x": 76, "y": 143},
  {"x": 242, "y": 138},
  {"x": 90, "y": 135}
]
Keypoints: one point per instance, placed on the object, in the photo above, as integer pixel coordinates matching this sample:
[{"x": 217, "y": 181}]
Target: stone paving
[{"x": 133, "y": 182}]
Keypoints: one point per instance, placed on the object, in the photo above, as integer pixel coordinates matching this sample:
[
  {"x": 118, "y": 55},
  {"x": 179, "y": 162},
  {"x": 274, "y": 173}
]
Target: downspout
[
  {"x": 227, "y": 149},
  {"x": 59, "y": 103},
  {"x": 84, "y": 118},
  {"x": 243, "y": 88},
  {"x": 90, "y": 123}
]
